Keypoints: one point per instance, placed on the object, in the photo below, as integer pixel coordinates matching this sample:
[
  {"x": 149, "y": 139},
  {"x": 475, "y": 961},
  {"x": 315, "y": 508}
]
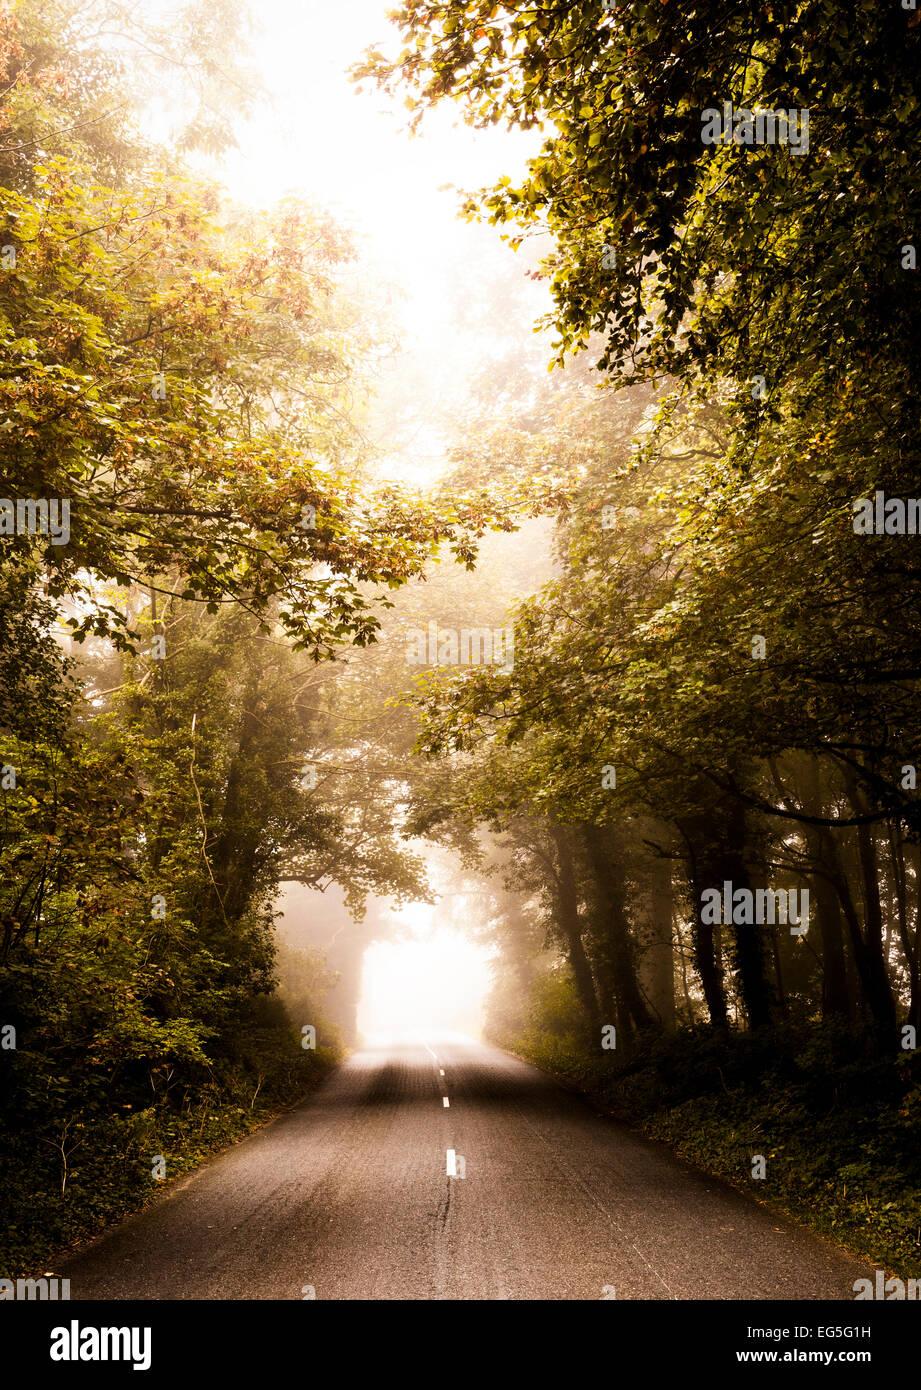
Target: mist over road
[{"x": 349, "y": 1195}]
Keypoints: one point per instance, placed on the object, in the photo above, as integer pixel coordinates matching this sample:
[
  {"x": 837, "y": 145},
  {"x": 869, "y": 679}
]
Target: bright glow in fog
[{"x": 436, "y": 982}]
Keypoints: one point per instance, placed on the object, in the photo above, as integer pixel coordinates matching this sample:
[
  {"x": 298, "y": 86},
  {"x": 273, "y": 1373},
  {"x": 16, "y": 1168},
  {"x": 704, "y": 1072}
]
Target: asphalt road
[{"x": 349, "y": 1196}]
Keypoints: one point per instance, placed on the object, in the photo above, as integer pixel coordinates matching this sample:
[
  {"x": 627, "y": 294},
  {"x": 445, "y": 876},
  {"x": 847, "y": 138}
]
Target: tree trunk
[
  {"x": 657, "y": 962},
  {"x": 901, "y": 899},
  {"x": 570, "y": 926},
  {"x": 708, "y": 962},
  {"x": 874, "y": 981},
  {"x": 836, "y": 997},
  {"x": 610, "y": 879}
]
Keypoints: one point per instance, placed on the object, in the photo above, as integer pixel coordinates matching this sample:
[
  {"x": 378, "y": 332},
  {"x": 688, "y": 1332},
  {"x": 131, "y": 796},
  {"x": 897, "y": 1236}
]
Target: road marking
[
  {"x": 452, "y": 1164},
  {"x": 446, "y": 1101}
]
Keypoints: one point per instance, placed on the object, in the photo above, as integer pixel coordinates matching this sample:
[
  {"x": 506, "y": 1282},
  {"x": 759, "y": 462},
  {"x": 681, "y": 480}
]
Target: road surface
[{"x": 348, "y": 1197}]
